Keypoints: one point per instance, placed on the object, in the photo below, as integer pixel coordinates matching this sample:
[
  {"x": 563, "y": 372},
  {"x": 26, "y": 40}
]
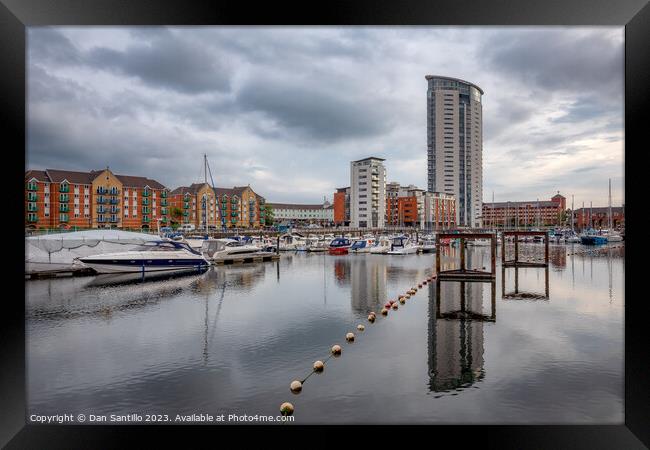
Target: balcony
[
  {"x": 64, "y": 188},
  {"x": 102, "y": 190},
  {"x": 163, "y": 211},
  {"x": 186, "y": 205},
  {"x": 64, "y": 197},
  {"x": 163, "y": 194},
  {"x": 146, "y": 193},
  {"x": 101, "y": 200},
  {"x": 32, "y": 197},
  {"x": 145, "y": 201},
  {"x": 101, "y": 219},
  {"x": 32, "y": 207},
  {"x": 145, "y": 219},
  {"x": 146, "y": 210},
  {"x": 186, "y": 213},
  {"x": 234, "y": 214},
  {"x": 101, "y": 209},
  {"x": 32, "y": 218},
  {"x": 114, "y": 210},
  {"x": 32, "y": 186},
  {"x": 114, "y": 191},
  {"x": 163, "y": 203},
  {"x": 233, "y": 220},
  {"x": 114, "y": 201},
  {"x": 64, "y": 208},
  {"x": 114, "y": 220},
  {"x": 63, "y": 218}
]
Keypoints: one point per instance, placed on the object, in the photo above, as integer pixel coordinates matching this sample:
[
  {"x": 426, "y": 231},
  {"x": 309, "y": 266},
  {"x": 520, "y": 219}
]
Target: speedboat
[
  {"x": 339, "y": 246},
  {"x": 478, "y": 242},
  {"x": 319, "y": 245},
  {"x": 151, "y": 256},
  {"x": 382, "y": 246},
  {"x": 291, "y": 242},
  {"x": 217, "y": 249},
  {"x": 591, "y": 238},
  {"x": 428, "y": 244},
  {"x": 613, "y": 236},
  {"x": 362, "y": 245},
  {"x": 402, "y": 245}
]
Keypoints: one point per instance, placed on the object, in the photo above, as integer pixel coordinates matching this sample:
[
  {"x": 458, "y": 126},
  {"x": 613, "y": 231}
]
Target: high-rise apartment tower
[{"x": 455, "y": 145}]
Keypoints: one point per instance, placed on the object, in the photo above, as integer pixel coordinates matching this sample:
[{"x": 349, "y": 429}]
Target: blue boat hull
[{"x": 593, "y": 240}]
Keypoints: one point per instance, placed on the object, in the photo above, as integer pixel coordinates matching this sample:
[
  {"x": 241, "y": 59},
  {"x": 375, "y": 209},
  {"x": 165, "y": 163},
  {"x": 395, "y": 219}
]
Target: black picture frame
[{"x": 15, "y": 15}]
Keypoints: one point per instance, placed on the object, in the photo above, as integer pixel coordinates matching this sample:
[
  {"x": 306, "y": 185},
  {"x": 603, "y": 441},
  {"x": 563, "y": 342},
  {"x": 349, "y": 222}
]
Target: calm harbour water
[{"x": 232, "y": 339}]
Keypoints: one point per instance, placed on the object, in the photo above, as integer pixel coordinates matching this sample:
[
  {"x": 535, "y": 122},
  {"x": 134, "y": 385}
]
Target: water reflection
[
  {"x": 455, "y": 334},
  {"x": 519, "y": 294},
  {"x": 368, "y": 284}
]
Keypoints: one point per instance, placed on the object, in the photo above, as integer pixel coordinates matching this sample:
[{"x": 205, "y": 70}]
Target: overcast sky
[{"x": 285, "y": 109}]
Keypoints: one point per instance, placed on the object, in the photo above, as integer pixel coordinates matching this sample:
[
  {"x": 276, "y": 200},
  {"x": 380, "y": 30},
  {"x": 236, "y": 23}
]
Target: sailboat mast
[
  {"x": 609, "y": 224},
  {"x": 572, "y": 210}
]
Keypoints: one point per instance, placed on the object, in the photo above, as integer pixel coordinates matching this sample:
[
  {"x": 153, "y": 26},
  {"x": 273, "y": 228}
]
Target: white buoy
[
  {"x": 319, "y": 366},
  {"x": 361, "y": 327},
  {"x": 296, "y": 387},
  {"x": 286, "y": 409},
  {"x": 349, "y": 337},
  {"x": 336, "y": 350}
]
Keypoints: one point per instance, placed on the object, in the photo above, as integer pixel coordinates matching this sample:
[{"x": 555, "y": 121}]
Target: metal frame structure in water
[
  {"x": 463, "y": 273},
  {"x": 515, "y": 262}
]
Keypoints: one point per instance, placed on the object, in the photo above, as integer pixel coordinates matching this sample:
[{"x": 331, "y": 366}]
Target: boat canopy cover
[
  {"x": 56, "y": 242},
  {"x": 58, "y": 252}
]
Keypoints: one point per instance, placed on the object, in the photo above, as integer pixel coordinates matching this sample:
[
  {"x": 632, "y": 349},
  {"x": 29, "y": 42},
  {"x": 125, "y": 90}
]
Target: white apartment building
[
  {"x": 320, "y": 214},
  {"x": 368, "y": 193}
]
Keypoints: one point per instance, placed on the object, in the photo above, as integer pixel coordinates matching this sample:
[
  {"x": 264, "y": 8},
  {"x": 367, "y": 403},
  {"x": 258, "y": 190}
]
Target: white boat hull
[
  {"x": 403, "y": 251},
  {"x": 119, "y": 268}
]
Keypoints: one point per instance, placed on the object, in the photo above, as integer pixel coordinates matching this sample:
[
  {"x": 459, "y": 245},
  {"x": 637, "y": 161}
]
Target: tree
[
  {"x": 268, "y": 215},
  {"x": 176, "y": 214}
]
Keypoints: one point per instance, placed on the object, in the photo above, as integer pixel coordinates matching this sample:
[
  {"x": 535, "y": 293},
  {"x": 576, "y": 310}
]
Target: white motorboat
[
  {"x": 152, "y": 256},
  {"x": 382, "y": 246},
  {"x": 402, "y": 245},
  {"x": 218, "y": 249},
  {"x": 319, "y": 245},
  {"x": 428, "y": 244},
  {"x": 478, "y": 242},
  {"x": 291, "y": 242},
  {"x": 362, "y": 245},
  {"x": 612, "y": 236}
]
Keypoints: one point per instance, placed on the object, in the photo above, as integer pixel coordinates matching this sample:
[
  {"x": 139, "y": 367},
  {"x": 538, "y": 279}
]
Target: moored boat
[
  {"x": 155, "y": 256},
  {"x": 339, "y": 246}
]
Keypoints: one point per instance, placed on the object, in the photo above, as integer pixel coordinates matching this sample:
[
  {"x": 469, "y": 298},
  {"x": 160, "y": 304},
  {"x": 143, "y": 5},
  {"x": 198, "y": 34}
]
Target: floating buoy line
[{"x": 296, "y": 386}]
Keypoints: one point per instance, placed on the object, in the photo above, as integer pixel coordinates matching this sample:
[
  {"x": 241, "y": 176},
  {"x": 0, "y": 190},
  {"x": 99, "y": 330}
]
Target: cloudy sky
[{"x": 285, "y": 109}]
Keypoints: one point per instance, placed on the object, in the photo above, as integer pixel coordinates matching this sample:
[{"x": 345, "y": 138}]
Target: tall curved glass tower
[{"x": 455, "y": 145}]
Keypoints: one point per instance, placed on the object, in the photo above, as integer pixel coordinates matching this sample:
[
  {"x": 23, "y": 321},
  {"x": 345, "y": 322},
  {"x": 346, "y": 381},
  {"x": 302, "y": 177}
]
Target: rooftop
[{"x": 431, "y": 77}]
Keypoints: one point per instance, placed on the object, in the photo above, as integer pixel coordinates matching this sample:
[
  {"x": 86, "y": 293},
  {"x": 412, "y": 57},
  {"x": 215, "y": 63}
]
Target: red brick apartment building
[{"x": 67, "y": 199}]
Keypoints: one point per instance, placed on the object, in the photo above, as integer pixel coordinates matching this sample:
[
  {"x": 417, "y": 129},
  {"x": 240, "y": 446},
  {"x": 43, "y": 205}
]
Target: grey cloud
[
  {"x": 48, "y": 45},
  {"x": 318, "y": 111},
  {"x": 167, "y": 62},
  {"x": 557, "y": 59}
]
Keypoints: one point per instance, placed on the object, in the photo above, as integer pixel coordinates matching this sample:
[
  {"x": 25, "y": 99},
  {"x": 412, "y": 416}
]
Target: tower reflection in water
[{"x": 455, "y": 343}]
